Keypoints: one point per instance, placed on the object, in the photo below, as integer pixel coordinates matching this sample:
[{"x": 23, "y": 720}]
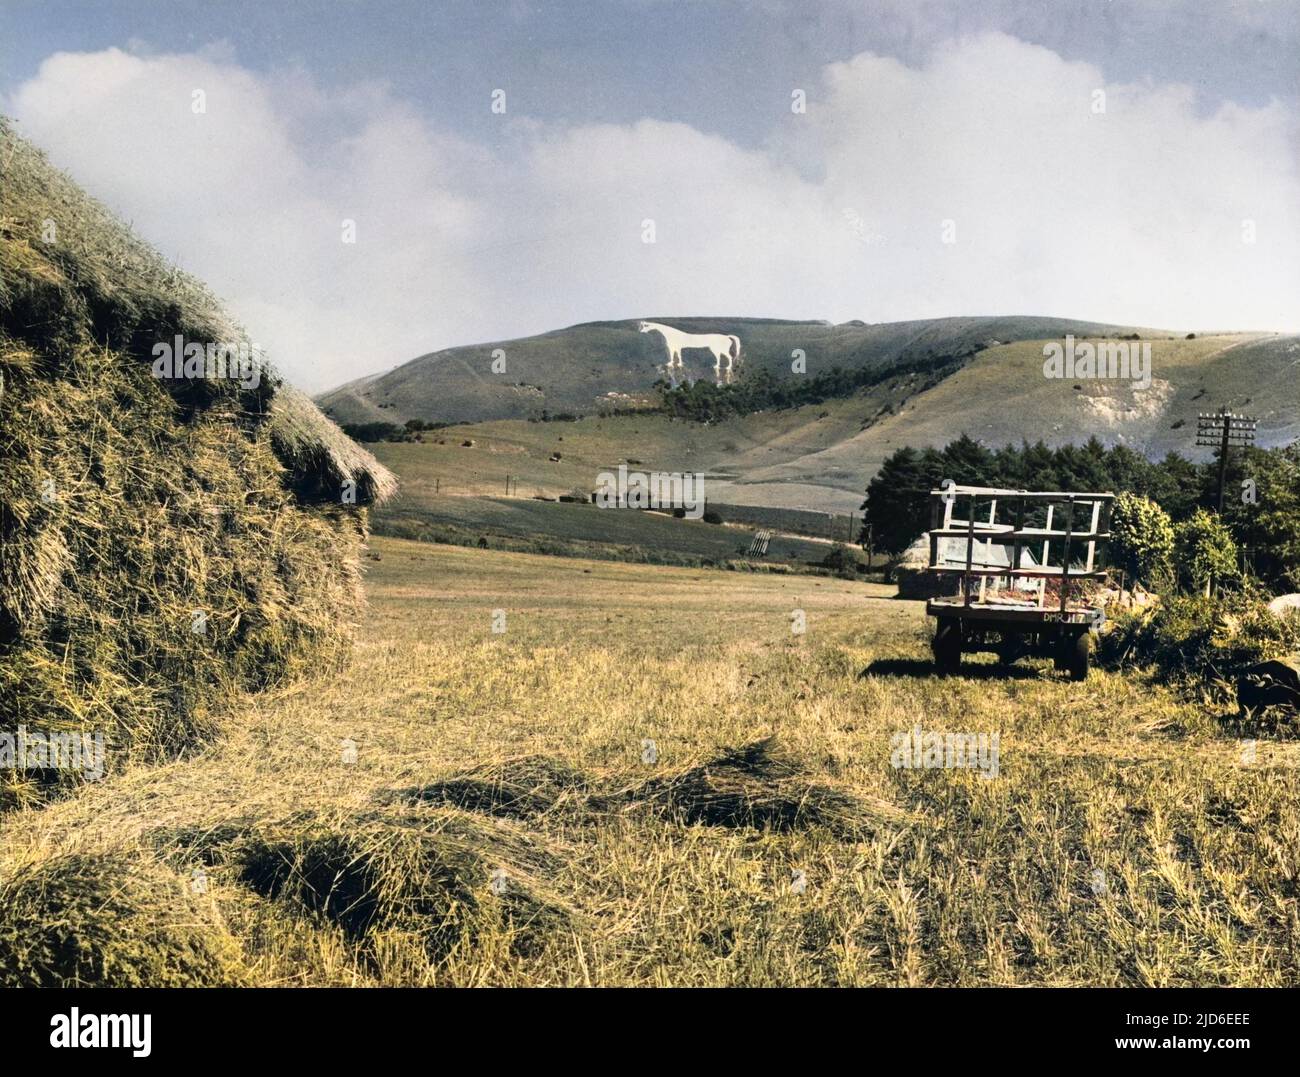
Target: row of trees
[
  {"x": 760, "y": 390},
  {"x": 382, "y": 431},
  {"x": 1167, "y": 518}
]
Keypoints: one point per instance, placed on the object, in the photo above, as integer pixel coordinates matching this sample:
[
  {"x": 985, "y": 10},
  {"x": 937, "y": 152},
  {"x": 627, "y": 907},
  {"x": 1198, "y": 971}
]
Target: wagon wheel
[
  {"x": 1010, "y": 649},
  {"x": 947, "y": 645},
  {"x": 1075, "y": 652}
]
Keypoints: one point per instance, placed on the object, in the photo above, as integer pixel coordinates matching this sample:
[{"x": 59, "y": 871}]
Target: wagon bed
[{"x": 1009, "y": 596}]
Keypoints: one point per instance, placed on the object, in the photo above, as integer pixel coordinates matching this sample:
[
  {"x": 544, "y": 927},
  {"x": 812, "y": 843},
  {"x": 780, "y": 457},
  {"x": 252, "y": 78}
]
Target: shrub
[
  {"x": 1192, "y": 638},
  {"x": 842, "y": 561},
  {"x": 1206, "y": 552},
  {"x": 1142, "y": 538}
]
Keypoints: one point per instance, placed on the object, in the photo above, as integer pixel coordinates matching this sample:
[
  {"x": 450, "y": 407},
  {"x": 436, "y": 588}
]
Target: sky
[{"x": 365, "y": 183}]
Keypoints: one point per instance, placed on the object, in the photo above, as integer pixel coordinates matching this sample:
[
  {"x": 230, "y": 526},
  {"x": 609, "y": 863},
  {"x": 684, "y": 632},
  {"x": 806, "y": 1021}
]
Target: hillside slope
[
  {"x": 821, "y": 457},
  {"x": 586, "y": 368},
  {"x": 1002, "y": 396}
]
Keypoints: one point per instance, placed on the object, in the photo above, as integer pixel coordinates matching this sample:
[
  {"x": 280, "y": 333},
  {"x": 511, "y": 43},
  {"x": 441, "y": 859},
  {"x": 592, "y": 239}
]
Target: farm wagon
[{"x": 1003, "y": 592}]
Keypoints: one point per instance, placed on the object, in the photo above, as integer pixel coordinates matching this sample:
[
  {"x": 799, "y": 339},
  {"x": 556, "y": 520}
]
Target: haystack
[
  {"x": 759, "y": 785},
  {"x": 163, "y": 541}
]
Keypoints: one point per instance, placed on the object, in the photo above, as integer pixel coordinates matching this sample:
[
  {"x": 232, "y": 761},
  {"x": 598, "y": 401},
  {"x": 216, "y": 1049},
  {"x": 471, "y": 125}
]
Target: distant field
[
  {"x": 833, "y": 527},
  {"x": 503, "y": 820},
  {"x": 582, "y": 530}
]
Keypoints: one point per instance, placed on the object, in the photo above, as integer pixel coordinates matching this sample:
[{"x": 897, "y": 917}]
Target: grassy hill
[
  {"x": 819, "y": 458},
  {"x": 1002, "y": 396},
  {"x": 600, "y": 365}
]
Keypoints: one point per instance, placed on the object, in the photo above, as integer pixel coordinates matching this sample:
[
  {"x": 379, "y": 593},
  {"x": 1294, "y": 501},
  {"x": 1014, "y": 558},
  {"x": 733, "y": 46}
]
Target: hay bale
[
  {"x": 132, "y": 508},
  {"x": 107, "y": 921},
  {"x": 908, "y": 570}
]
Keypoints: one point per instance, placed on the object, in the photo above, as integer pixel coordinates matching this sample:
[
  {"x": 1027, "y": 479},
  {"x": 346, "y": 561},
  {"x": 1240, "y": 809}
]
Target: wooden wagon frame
[{"x": 1021, "y": 617}]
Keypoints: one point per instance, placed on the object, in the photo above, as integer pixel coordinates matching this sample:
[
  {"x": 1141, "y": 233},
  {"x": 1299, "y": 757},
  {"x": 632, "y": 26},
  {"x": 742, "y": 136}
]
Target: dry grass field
[{"x": 504, "y": 822}]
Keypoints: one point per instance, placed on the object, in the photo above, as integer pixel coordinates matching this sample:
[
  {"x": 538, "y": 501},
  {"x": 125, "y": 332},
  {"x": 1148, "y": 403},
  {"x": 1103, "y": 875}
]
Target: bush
[
  {"x": 1206, "y": 552},
  {"x": 1142, "y": 538},
  {"x": 376, "y": 431},
  {"x": 842, "y": 561},
  {"x": 1193, "y": 638},
  {"x": 712, "y": 517}
]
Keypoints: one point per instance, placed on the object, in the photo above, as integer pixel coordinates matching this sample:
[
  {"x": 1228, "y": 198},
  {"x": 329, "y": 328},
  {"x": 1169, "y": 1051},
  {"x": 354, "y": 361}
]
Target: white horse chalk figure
[{"x": 722, "y": 346}]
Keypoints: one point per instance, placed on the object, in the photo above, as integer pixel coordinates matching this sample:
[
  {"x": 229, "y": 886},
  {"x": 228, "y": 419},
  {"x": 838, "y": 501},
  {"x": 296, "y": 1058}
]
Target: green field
[
  {"x": 502, "y": 823},
  {"x": 585, "y": 530}
]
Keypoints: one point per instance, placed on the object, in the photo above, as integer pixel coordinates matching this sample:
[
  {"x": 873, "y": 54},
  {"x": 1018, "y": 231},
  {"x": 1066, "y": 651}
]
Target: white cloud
[{"x": 1134, "y": 215}]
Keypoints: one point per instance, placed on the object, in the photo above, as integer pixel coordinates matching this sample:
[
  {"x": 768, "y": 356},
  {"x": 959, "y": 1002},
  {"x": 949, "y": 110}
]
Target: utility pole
[{"x": 1223, "y": 430}]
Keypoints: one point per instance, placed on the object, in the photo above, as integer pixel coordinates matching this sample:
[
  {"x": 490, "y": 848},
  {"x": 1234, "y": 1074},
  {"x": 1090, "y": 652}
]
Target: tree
[
  {"x": 967, "y": 462},
  {"x": 1142, "y": 538},
  {"x": 1206, "y": 552},
  {"x": 1265, "y": 515},
  {"x": 1176, "y": 484},
  {"x": 1082, "y": 468},
  {"x": 1038, "y": 466},
  {"x": 842, "y": 561},
  {"x": 896, "y": 504}
]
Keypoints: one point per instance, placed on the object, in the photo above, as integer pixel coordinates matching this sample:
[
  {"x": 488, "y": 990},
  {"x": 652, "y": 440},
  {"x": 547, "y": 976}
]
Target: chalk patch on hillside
[{"x": 1116, "y": 405}]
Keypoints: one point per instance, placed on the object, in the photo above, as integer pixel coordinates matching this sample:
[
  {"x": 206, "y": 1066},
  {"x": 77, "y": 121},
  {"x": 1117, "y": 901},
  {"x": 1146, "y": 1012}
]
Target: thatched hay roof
[
  {"x": 320, "y": 456},
  {"x": 67, "y": 264}
]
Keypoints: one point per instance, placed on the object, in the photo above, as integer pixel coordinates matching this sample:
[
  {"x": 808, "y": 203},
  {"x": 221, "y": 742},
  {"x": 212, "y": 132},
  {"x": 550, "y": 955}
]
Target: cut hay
[
  {"x": 758, "y": 786},
  {"x": 442, "y": 878},
  {"x": 101, "y": 921},
  {"x": 163, "y": 542},
  {"x": 518, "y": 788},
  {"x": 321, "y": 459}
]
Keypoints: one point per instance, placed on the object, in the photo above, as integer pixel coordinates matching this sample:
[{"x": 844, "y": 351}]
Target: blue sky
[
  {"x": 473, "y": 225},
  {"x": 699, "y": 63}
]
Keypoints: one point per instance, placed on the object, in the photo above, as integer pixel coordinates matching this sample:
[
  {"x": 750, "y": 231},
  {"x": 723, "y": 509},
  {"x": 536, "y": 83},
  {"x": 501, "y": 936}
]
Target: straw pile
[
  {"x": 430, "y": 879},
  {"x": 163, "y": 541},
  {"x": 759, "y": 785},
  {"x": 106, "y": 921}
]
